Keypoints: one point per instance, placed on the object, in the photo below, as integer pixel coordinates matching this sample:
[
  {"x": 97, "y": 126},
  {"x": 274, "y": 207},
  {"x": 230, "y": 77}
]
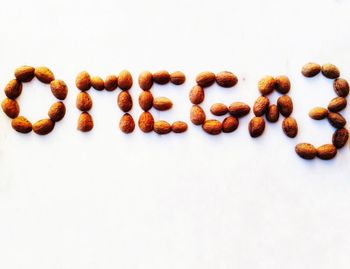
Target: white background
[{"x": 109, "y": 200}]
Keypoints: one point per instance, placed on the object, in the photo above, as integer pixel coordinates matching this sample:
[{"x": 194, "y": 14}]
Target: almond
[
  {"x": 84, "y": 101},
  {"x": 290, "y": 127},
  {"x": 146, "y": 122},
  {"x": 336, "y": 120},
  {"x": 97, "y": 83},
  {"x": 111, "y": 83},
  {"x": 85, "y": 122},
  {"x": 318, "y": 113},
  {"x": 326, "y": 152},
  {"x": 197, "y": 95},
  {"x": 83, "y": 81},
  {"x": 59, "y": 89},
  {"x": 146, "y": 80},
  {"x": 24, "y": 73},
  {"x": 179, "y": 127},
  {"x": 197, "y": 115},
  {"x": 13, "y": 89},
  {"x": 230, "y": 124},
  {"x": 44, "y": 74},
  {"x": 337, "y": 104},
  {"x": 285, "y": 105},
  {"x": 239, "y": 109},
  {"x": 341, "y": 87},
  {"x": 256, "y": 126},
  {"x": 57, "y": 111},
  {"x": 261, "y": 105},
  {"x": 21, "y": 125},
  {"x": 306, "y": 151},
  {"x": 218, "y": 109},
  {"x": 162, "y": 127},
  {"x": 330, "y": 71},
  {"x": 311, "y": 69},
  {"x": 272, "y": 114},
  {"x": 43, "y": 127},
  {"x": 161, "y": 77},
  {"x": 125, "y": 101},
  {"x": 226, "y": 79},
  {"x": 205, "y": 79},
  {"x": 10, "y": 108},
  {"x": 162, "y": 103},
  {"x": 212, "y": 127},
  {"x": 125, "y": 80},
  {"x": 177, "y": 78},
  {"x": 146, "y": 100},
  {"x": 340, "y": 138},
  {"x": 127, "y": 123},
  {"x": 266, "y": 85},
  {"x": 282, "y": 84}
]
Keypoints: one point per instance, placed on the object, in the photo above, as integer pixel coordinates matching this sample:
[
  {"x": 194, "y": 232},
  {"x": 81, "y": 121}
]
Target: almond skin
[
  {"x": 330, "y": 71},
  {"x": 341, "y": 87},
  {"x": 146, "y": 100},
  {"x": 179, "y": 127},
  {"x": 161, "y": 77},
  {"x": 13, "y": 89},
  {"x": 205, "y": 79},
  {"x": 44, "y": 75},
  {"x": 57, "y": 111},
  {"x": 146, "y": 122},
  {"x": 59, "y": 89},
  {"x": 85, "y": 122},
  {"x": 125, "y": 80},
  {"x": 311, "y": 69},
  {"x": 21, "y": 125},
  {"x": 197, "y": 115},
  {"x": 213, "y": 127},
  {"x": 97, "y": 83},
  {"x": 84, "y": 101},
  {"x": 290, "y": 127},
  {"x": 177, "y": 78},
  {"x": 239, "y": 109},
  {"x": 340, "y": 138},
  {"x": 197, "y": 95},
  {"x": 10, "y": 108},
  {"x": 306, "y": 151},
  {"x": 43, "y": 127},
  {"x": 336, "y": 120},
  {"x": 111, "y": 83},
  {"x": 266, "y": 85},
  {"x": 218, "y": 109},
  {"x": 337, "y": 104},
  {"x": 256, "y": 126},
  {"x": 226, "y": 79},
  {"x": 282, "y": 84},
  {"x": 230, "y": 124},
  {"x": 162, "y": 127},
  {"x": 83, "y": 81},
  {"x": 162, "y": 103},
  {"x": 24, "y": 73},
  {"x": 146, "y": 80},
  {"x": 125, "y": 101},
  {"x": 326, "y": 152},
  {"x": 127, "y": 124},
  {"x": 261, "y": 105},
  {"x": 285, "y": 105},
  {"x": 318, "y": 113},
  {"x": 272, "y": 114}
]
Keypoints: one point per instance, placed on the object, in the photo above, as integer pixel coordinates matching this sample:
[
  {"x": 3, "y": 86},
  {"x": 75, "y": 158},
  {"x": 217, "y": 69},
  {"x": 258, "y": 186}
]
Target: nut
[
  {"x": 10, "y": 108},
  {"x": 111, "y": 83},
  {"x": 177, "y": 78},
  {"x": 256, "y": 126},
  {"x": 127, "y": 123},
  {"x": 311, "y": 69},
  {"x": 230, "y": 124},
  {"x": 337, "y": 104},
  {"x": 285, "y": 105},
  {"x": 44, "y": 74},
  {"x": 197, "y": 95},
  {"x": 24, "y": 73},
  {"x": 43, "y": 127},
  {"x": 239, "y": 109},
  {"x": 197, "y": 115},
  {"x": 146, "y": 122},
  {"x": 13, "y": 89},
  {"x": 84, "y": 101},
  {"x": 336, "y": 120},
  {"x": 261, "y": 105},
  {"x": 266, "y": 85},
  {"x": 97, "y": 83},
  {"x": 318, "y": 113},
  {"x": 162, "y": 103},
  {"x": 146, "y": 80},
  {"x": 218, "y": 109},
  {"x": 272, "y": 114},
  {"x": 161, "y": 77},
  {"x": 125, "y": 101},
  {"x": 326, "y": 152},
  {"x": 282, "y": 84},
  {"x": 85, "y": 122},
  {"x": 306, "y": 151},
  {"x": 340, "y": 138},
  {"x": 57, "y": 111},
  {"x": 162, "y": 127},
  {"x": 212, "y": 127},
  {"x": 290, "y": 127},
  {"x": 226, "y": 79},
  {"x": 59, "y": 89},
  {"x": 179, "y": 127},
  {"x": 341, "y": 87},
  {"x": 146, "y": 100},
  {"x": 330, "y": 71},
  {"x": 83, "y": 81},
  {"x": 205, "y": 79},
  {"x": 21, "y": 125},
  {"x": 125, "y": 80}
]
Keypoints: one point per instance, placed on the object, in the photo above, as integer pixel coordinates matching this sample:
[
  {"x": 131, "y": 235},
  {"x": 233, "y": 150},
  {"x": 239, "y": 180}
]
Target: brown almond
[
  {"x": 125, "y": 101},
  {"x": 272, "y": 114},
  {"x": 83, "y": 81},
  {"x": 306, "y": 151},
  {"x": 21, "y": 125},
  {"x": 146, "y": 80},
  {"x": 340, "y": 138},
  {"x": 177, "y": 78},
  {"x": 179, "y": 127},
  {"x": 13, "y": 89},
  {"x": 197, "y": 115},
  {"x": 318, "y": 113},
  {"x": 285, "y": 105},
  {"x": 146, "y": 122},
  {"x": 85, "y": 122},
  {"x": 341, "y": 87},
  {"x": 330, "y": 71},
  {"x": 290, "y": 127},
  {"x": 311, "y": 69},
  {"x": 24, "y": 73},
  {"x": 336, "y": 120},
  {"x": 111, "y": 83},
  {"x": 226, "y": 79},
  {"x": 230, "y": 124},
  {"x": 261, "y": 105},
  {"x": 84, "y": 101},
  {"x": 282, "y": 84},
  {"x": 59, "y": 89},
  {"x": 205, "y": 79},
  {"x": 326, "y": 152},
  {"x": 146, "y": 100},
  {"x": 10, "y": 108},
  {"x": 127, "y": 124},
  {"x": 256, "y": 126},
  {"x": 197, "y": 95},
  {"x": 97, "y": 83},
  {"x": 213, "y": 127},
  {"x": 161, "y": 77},
  {"x": 239, "y": 109},
  {"x": 57, "y": 111},
  {"x": 162, "y": 103},
  {"x": 162, "y": 127},
  {"x": 337, "y": 104},
  {"x": 266, "y": 85},
  {"x": 125, "y": 80},
  {"x": 44, "y": 75},
  {"x": 218, "y": 109},
  {"x": 43, "y": 127}
]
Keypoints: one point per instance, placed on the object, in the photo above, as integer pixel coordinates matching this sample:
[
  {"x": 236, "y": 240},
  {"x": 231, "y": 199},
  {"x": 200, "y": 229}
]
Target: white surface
[{"x": 108, "y": 200}]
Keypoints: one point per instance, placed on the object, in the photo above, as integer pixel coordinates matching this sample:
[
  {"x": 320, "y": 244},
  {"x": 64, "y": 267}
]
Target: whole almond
[
  {"x": 10, "y": 108},
  {"x": 336, "y": 120},
  {"x": 330, "y": 71},
  {"x": 57, "y": 111},
  {"x": 146, "y": 100},
  {"x": 205, "y": 79},
  {"x": 127, "y": 123},
  {"x": 125, "y": 101},
  {"x": 282, "y": 84},
  {"x": 162, "y": 127},
  {"x": 83, "y": 81},
  {"x": 326, "y": 152},
  {"x": 197, "y": 95},
  {"x": 226, "y": 79},
  {"x": 311, "y": 69},
  {"x": 179, "y": 127},
  {"x": 21, "y": 125},
  {"x": 44, "y": 74},
  {"x": 285, "y": 105},
  {"x": 256, "y": 126},
  {"x": 125, "y": 80},
  {"x": 59, "y": 89},
  {"x": 218, "y": 109},
  {"x": 146, "y": 122},
  {"x": 341, "y": 87},
  {"x": 97, "y": 83},
  {"x": 230, "y": 124},
  {"x": 24, "y": 73},
  {"x": 84, "y": 101},
  {"x": 85, "y": 122},
  {"x": 318, "y": 113},
  {"x": 43, "y": 127},
  {"x": 161, "y": 77},
  {"x": 340, "y": 138},
  {"x": 290, "y": 127},
  {"x": 111, "y": 83},
  {"x": 272, "y": 114},
  {"x": 213, "y": 127},
  {"x": 337, "y": 104},
  {"x": 162, "y": 103},
  {"x": 177, "y": 78},
  {"x": 266, "y": 85},
  {"x": 239, "y": 109},
  {"x": 306, "y": 151},
  {"x": 146, "y": 80},
  {"x": 13, "y": 89},
  {"x": 261, "y": 105},
  {"x": 197, "y": 115}
]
